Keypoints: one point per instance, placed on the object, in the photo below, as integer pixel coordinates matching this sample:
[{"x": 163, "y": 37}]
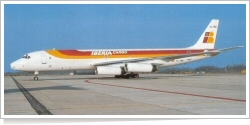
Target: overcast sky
[{"x": 29, "y": 28}]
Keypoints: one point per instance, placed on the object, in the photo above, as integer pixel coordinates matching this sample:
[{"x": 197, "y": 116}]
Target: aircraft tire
[
  {"x": 136, "y": 76},
  {"x": 35, "y": 78},
  {"x": 128, "y": 76},
  {"x": 118, "y": 76}
]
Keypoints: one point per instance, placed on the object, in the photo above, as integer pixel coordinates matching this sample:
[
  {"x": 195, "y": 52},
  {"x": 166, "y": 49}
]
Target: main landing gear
[{"x": 127, "y": 76}]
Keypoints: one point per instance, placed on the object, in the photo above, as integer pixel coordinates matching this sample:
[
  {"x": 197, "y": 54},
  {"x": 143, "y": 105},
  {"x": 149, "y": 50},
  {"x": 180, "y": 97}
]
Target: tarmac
[{"x": 151, "y": 94}]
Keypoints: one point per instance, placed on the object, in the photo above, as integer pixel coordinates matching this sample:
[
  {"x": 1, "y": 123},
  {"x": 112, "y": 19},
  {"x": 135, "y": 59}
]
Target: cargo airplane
[{"x": 125, "y": 63}]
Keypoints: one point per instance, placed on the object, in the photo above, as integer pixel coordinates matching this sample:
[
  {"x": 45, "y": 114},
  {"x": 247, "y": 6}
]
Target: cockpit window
[{"x": 26, "y": 56}]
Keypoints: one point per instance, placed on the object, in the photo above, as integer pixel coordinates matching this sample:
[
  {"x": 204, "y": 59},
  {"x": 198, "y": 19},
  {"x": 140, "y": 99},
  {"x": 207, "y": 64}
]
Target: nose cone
[
  {"x": 13, "y": 65},
  {"x": 17, "y": 65}
]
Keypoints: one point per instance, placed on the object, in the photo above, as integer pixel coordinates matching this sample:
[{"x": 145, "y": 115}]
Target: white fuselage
[{"x": 43, "y": 61}]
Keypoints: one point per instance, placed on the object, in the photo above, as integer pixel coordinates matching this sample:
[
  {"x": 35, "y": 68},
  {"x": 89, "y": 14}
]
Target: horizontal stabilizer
[{"x": 231, "y": 48}]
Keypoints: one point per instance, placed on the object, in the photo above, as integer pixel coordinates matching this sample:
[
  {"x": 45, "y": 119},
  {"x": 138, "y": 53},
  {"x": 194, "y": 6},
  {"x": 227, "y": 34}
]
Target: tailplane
[{"x": 208, "y": 38}]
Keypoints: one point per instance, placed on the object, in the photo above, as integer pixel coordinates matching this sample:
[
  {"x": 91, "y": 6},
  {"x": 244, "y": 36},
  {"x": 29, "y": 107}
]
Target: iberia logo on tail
[{"x": 209, "y": 37}]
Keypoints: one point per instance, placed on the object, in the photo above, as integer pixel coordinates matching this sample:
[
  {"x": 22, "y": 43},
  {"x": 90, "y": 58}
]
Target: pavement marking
[
  {"x": 38, "y": 107},
  {"x": 162, "y": 91}
]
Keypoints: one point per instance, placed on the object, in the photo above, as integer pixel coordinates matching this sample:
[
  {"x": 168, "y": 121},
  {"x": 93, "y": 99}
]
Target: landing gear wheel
[
  {"x": 136, "y": 76},
  {"x": 128, "y": 76},
  {"x": 35, "y": 78},
  {"x": 118, "y": 76}
]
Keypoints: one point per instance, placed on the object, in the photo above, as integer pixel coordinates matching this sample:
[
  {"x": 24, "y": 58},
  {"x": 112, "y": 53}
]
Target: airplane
[{"x": 123, "y": 63}]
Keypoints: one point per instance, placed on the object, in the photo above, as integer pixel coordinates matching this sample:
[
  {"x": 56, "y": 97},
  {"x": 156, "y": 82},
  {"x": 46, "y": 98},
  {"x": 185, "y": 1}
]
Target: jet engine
[
  {"x": 140, "y": 67},
  {"x": 109, "y": 70}
]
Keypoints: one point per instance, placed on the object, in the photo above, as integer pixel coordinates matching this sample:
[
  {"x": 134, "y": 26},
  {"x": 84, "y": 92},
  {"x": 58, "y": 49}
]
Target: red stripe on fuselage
[
  {"x": 130, "y": 52},
  {"x": 75, "y": 52}
]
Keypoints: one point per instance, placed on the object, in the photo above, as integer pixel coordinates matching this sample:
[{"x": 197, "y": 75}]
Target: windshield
[{"x": 26, "y": 56}]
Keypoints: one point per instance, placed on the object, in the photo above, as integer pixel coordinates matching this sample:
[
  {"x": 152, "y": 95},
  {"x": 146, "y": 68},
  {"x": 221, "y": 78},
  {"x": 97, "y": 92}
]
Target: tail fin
[{"x": 208, "y": 38}]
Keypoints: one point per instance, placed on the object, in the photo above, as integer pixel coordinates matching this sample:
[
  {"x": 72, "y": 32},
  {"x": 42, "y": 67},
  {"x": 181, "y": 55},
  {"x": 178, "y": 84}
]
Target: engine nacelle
[
  {"x": 140, "y": 67},
  {"x": 109, "y": 70}
]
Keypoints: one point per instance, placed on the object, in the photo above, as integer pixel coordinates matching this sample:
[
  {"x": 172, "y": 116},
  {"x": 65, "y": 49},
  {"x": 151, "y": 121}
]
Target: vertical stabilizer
[{"x": 208, "y": 38}]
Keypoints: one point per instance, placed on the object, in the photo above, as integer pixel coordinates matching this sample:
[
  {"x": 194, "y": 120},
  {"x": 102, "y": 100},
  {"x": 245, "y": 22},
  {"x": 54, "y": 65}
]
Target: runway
[{"x": 151, "y": 94}]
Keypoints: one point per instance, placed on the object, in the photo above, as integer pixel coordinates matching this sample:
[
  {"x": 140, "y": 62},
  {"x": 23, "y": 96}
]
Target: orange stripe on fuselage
[{"x": 76, "y": 54}]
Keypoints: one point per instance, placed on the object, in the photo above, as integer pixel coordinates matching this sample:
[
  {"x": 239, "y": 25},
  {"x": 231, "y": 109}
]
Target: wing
[{"x": 165, "y": 58}]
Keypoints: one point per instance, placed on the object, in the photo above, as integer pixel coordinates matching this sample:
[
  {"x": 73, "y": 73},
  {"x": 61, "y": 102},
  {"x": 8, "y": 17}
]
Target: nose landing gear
[
  {"x": 35, "y": 78},
  {"x": 36, "y": 74}
]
